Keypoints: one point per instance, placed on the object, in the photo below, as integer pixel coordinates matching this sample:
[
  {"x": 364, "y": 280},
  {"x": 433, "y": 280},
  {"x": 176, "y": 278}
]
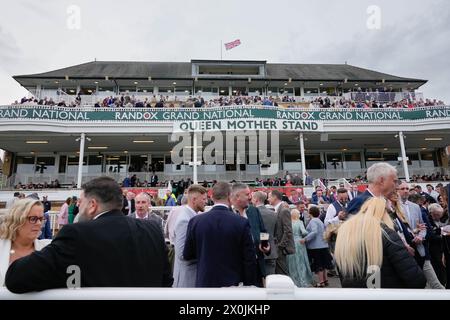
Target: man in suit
[
  {"x": 143, "y": 211},
  {"x": 336, "y": 212},
  {"x": 382, "y": 178},
  {"x": 128, "y": 206},
  {"x": 353, "y": 193},
  {"x": 269, "y": 219},
  {"x": 283, "y": 232},
  {"x": 108, "y": 249},
  {"x": 154, "y": 179},
  {"x": 240, "y": 198},
  {"x": 185, "y": 271},
  {"x": 221, "y": 241},
  {"x": 413, "y": 213},
  {"x": 47, "y": 204}
]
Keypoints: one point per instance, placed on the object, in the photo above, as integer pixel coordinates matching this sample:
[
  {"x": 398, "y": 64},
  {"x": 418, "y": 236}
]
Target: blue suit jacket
[
  {"x": 46, "y": 228},
  {"x": 356, "y": 203},
  {"x": 256, "y": 227},
  {"x": 222, "y": 243}
]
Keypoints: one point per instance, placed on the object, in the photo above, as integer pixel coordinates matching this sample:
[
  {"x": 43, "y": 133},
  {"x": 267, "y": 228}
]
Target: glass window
[
  {"x": 157, "y": 164},
  {"x": 45, "y": 165},
  {"x": 391, "y": 158},
  {"x": 116, "y": 163},
  {"x": 138, "y": 163},
  {"x": 272, "y": 90},
  {"x": 310, "y": 91},
  {"x": 373, "y": 157},
  {"x": 292, "y": 162},
  {"x": 95, "y": 163},
  {"x": 292, "y": 158},
  {"x": 413, "y": 159},
  {"x": 162, "y": 90},
  {"x": 72, "y": 164},
  {"x": 352, "y": 160},
  {"x": 107, "y": 89},
  {"x": 312, "y": 161},
  {"x": 184, "y": 90},
  {"x": 334, "y": 161},
  {"x": 87, "y": 90},
  {"x": 70, "y": 90},
  {"x": 24, "y": 164},
  {"x": 62, "y": 164},
  {"x": 223, "y": 91},
  {"x": 428, "y": 159}
]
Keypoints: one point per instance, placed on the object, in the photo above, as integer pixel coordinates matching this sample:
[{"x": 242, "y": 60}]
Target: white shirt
[
  {"x": 129, "y": 206},
  {"x": 100, "y": 214},
  {"x": 434, "y": 194},
  {"x": 143, "y": 218},
  {"x": 277, "y": 206},
  {"x": 331, "y": 217},
  {"x": 243, "y": 215}
]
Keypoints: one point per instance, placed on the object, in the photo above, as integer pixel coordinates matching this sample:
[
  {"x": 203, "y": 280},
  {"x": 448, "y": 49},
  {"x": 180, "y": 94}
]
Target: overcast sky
[{"x": 412, "y": 41}]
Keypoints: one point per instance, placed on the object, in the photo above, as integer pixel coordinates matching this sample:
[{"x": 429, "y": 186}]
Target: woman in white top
[{"x": 19, "y": 230}]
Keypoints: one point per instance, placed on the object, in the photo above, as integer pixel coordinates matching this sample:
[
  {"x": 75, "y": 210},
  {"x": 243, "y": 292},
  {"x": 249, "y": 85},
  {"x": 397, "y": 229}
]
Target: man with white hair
[{"x": 382, "y": 179}]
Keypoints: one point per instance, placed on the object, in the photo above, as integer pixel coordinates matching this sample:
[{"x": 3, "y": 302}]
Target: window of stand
[
  {"x": 24, "y": 164},
  {"x": 428, "y": 159},
  {"x": 45, "y": 165}
]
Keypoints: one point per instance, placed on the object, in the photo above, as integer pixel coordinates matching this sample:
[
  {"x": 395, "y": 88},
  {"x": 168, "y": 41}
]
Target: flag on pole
[{"x": 232, "y": 44}]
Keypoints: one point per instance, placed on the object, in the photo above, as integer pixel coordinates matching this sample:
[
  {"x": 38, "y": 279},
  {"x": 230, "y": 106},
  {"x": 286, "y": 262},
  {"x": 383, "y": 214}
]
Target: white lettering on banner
[
  {"x": 13, "y": 113},
  {"x": 251, "y": 124},
  {"x": 295, "y": 115},
  {"x": 335, "y": 116},
  {"x": 177, "y": 115},
  {"x": 219, "y": 114},
  {"x": 379, "y": 115},
  {"x": 60, "y": 115},
  {"x": 438, "y": 113},
  {"x": 136, "y": 115}
]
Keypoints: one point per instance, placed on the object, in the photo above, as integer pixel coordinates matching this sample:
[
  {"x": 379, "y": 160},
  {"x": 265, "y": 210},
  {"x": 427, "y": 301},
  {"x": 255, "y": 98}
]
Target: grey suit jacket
[
  {"x": 269, "y": 218},
  {"x": 414, "y": 215},
  {"x": 283, "y": 232},
  {"x": 151, "y": 216},
  {"x": 184, "y": 271}
]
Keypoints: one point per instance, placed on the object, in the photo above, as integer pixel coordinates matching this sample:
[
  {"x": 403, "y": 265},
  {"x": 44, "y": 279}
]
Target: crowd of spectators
[{"x": 127, "y": 100}]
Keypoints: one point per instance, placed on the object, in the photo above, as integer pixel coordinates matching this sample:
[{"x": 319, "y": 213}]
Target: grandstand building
[{"x": 116, "y": 118}]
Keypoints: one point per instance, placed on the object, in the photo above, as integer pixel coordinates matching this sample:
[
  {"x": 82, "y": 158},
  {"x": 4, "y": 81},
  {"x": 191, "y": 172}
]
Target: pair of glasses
[
  {"x": 35, "y": 219},
  {"x": 403, "y": 188}
]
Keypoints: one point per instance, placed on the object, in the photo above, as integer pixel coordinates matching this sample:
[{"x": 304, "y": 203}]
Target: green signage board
[{"x": 215, "y": 114}]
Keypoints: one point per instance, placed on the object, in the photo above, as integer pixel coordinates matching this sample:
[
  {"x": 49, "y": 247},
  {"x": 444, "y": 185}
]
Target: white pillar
[
  {"x": 80, "y": 161},
  {"x": 194, "y": 164},
  {"x": 404, "y": 158},
  {"x": 302, "y": 157}
]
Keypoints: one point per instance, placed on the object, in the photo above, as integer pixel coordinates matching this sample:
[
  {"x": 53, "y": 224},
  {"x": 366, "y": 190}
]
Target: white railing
[
  {"x": 66, "y": 179},
  {"x": 278, "y": 287}
]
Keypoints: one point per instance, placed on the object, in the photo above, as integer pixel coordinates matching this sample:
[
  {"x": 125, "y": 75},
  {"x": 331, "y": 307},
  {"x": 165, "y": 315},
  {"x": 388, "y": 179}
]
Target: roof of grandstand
[{"x": 183, "y": 70}]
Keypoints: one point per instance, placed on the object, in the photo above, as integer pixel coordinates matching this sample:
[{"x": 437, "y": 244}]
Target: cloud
[
  {"x": 412, "y": 41},
  {"x": 414, "y": 46}
]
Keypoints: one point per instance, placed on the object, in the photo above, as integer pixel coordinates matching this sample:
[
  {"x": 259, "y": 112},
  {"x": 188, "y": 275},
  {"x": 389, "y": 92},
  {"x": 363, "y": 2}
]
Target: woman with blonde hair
[
  {"x": 367, "y": 244},
  {"x": 19, "y": 230},
  {"x": 298, "y": 263}
]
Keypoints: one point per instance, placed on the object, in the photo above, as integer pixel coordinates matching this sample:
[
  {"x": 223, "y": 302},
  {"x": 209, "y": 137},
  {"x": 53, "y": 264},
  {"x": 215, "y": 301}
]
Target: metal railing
[{"x": 67, "y": 179}]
